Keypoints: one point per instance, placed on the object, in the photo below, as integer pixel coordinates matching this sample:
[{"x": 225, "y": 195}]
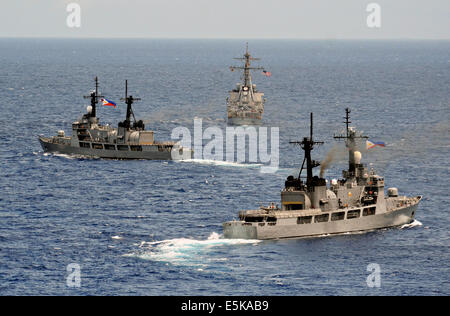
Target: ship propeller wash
[
  {"x": 355, "y": 203},
  {"x": 245, "y": 105},
  {"x": 129, "y": 141}
]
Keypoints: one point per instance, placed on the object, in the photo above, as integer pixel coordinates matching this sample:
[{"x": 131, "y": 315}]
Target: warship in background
[
  {"x": 245, "y": 105},
  {"x": 309, "y": 208},
  {"x": 129, "y": 141}
]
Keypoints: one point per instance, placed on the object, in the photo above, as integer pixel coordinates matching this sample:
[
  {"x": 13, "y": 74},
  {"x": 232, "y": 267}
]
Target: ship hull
[
  {"x": 236, "y": 121},
  {"x": 288, "y": 228},
  {"x": 150, "y": 152}
]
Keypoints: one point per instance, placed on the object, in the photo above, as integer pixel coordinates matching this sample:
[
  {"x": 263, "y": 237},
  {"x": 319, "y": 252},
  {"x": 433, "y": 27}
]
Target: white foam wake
[
  {"x": 186, "y": 251},
  {"x": 222, "y": 163},
  {"x": 71, "y": 156},
  {"x": 415, "y": 223}
]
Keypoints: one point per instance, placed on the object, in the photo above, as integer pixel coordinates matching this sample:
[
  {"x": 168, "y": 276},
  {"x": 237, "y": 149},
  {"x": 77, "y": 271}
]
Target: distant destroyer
[
  {"x": 355, "y": 203},
  {"x": 129, "y": 141},
  {"x": 245, "y": 105}
]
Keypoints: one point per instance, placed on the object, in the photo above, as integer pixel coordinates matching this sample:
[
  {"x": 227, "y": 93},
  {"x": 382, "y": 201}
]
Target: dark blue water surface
[{"x": 154, "y": 228}]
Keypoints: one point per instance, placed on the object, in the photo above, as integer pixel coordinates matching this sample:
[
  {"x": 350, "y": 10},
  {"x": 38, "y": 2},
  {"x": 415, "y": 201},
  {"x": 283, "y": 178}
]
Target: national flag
[
  {"x": 370, "y": 144},
  {"x": 107, "y": 102},
  {"x": 267, "y": 73}
]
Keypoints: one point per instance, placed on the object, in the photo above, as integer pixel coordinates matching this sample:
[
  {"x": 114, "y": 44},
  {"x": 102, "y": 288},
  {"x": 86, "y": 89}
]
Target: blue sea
[{"x": 155, "y": 228}]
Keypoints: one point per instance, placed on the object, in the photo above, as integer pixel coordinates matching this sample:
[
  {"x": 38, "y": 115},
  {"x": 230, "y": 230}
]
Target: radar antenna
[
  {"x": 129, "y": 100},
  {"x": 307, "y": 144},
  {"x": 350, "y": 142},
  {"x": 94, "y": 98},
  {"x": 247, "y": 58}
]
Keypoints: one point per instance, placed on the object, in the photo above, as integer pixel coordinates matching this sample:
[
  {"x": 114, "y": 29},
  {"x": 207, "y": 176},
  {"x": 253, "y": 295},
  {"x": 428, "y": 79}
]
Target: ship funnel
[{"x": 358, "y": 157}]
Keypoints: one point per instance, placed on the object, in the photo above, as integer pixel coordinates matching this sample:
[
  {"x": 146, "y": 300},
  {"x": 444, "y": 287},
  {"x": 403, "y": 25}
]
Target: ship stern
[{"x": 239, "y": 230}]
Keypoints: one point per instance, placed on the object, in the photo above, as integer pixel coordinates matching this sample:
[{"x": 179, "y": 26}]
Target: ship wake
[
  {"x": 223, "y": 163},
  {"x": 71, "y": 156},
  {"x": 186, "y": 251}
]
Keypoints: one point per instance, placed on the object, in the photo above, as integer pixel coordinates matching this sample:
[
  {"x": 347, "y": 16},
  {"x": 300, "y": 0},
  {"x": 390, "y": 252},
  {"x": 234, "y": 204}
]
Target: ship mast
[
  {"x": 247, "y": 58},
  {"x": 129, "y": 100},
  {"x": 350, "y": 142},
  {"x": 307, "y": 144},
  {"x": 94, "y": 98}
]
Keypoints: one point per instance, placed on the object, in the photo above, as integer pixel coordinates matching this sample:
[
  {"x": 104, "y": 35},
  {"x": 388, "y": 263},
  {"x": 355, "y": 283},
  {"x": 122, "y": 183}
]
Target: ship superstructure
[{"x": 310, "y": 207}]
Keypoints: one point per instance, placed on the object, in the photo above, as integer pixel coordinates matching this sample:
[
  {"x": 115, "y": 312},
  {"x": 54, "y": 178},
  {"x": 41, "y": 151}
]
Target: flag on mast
[
  {"x": 267, "y": 73},
  {"x": 107, "y": 102},
  {"x": 370, "y": 144}
]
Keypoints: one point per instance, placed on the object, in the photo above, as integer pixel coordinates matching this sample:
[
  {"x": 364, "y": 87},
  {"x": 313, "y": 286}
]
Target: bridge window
[
  {"x": 321, "y": 218},
  {"x": 338, "y": 216},
  {"x": 136, "y": 148},
  {"x": 294, "y": 207},
  {"x": 122, "y": 147},
  {"x": 369, "y": 211},
  {"x": 353, "y": 214},
  {"x": 254, "y": 219},
  {"x": 304, "y": 220}
]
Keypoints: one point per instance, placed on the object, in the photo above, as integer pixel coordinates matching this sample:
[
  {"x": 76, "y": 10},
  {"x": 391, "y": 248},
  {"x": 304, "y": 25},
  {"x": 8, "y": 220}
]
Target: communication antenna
[
  {"x": 350, "y": 141},
  {"x": 94, "y": 98},
  {"x": 129, "y": 100},
  {"x": 307, "y": 144},
  {"x": 246, "y": 58}
]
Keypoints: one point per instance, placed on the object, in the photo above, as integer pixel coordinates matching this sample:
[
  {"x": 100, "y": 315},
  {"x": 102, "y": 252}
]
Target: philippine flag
[
  {"x": 370, "y": 145},
  {"x": 107, "y": 102}
]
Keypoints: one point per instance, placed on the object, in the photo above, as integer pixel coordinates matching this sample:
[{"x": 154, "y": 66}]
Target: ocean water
[{"x": 154, "y": 228}]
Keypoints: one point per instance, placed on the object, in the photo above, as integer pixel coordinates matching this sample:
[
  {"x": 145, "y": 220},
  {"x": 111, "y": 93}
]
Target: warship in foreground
[
  {"x": 309, "y": 208},
  {"x": 129, "y": 141},
  {"x": 245, "y": 105}
]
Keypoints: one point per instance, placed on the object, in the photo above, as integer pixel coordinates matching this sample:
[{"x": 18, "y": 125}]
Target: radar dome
[
  {"x": 358, "y": 157},
  {"x": 89, "y": 109}
]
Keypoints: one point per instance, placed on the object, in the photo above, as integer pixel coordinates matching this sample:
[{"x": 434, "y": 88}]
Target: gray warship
[
  {"x": 355, "y": 203},
  {"x": 245, "y": 104},
  {"x": 129, "y": 141}
]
